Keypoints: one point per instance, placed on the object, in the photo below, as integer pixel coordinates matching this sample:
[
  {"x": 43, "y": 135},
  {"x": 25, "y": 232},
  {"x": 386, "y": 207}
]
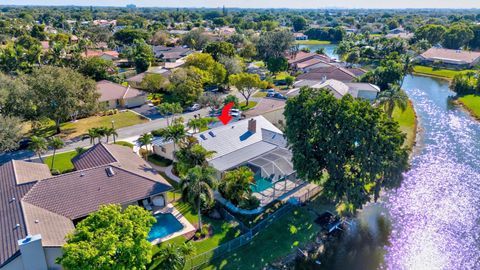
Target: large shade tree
[
  {"x": 111, "y": 238},
  {"x": 356, "y": 146},
  {"x": 246, "y": 84},
  {"x": 62, "y": 93}
]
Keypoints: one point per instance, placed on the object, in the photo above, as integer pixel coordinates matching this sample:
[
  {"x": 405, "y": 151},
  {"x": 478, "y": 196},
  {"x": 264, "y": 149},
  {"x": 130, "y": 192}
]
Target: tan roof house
[
  {"x": 115, "y": 95},
  {"x": 339, "y": 89},
  {"x": 39, "y": 210},
  {"x": 107, "y": 55},
  {"x": 450, "y": 57}
]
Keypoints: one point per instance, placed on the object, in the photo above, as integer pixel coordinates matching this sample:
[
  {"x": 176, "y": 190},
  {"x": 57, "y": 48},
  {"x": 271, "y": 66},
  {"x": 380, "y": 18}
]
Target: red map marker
[{"x": 225, "y": 117}]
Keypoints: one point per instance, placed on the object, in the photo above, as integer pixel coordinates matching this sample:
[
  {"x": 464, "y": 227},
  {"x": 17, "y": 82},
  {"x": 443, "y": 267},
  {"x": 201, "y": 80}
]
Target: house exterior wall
[
  {"x": 165, "y": 151},
  {"x": 276, "y": 117},
  {"x": 134, "y": 102},
  {"x": 16, "y": 264},
  {"x": 51, "y": 254},
  {"x": 110, "y": 104}
]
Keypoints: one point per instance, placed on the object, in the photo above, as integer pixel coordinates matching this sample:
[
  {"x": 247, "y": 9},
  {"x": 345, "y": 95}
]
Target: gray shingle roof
[
  {"x": 77, "y": 194},
  {"x": 11, "y": 192}
]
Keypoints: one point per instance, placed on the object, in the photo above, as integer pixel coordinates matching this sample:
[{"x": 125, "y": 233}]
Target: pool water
[
  {"x": 260, "y": 185},
  {"x": 166, "y": 224}
]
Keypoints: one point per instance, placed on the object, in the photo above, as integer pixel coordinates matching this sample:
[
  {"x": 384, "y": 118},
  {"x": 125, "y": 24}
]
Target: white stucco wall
[
  {"x": 51, "y": 254},
  {"x": 135, "y": 102},
  {"x": 168, "y": 151}
]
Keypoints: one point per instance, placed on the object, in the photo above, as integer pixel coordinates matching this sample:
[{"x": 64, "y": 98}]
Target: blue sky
[{"x": 261, "y": 3}]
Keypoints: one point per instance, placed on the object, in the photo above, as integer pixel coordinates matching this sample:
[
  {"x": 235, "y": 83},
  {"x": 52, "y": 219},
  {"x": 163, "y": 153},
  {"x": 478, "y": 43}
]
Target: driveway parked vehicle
[
  {"x": 279, "y": 96},
  {"x": 194, "y": 107},
  {"x": 235, "y": 112}
]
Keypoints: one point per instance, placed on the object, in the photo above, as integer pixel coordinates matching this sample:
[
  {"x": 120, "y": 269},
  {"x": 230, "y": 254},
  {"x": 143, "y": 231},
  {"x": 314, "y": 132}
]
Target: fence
[{"x": 198, "y": 261}]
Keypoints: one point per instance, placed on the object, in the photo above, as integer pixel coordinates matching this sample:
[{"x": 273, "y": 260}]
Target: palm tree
[
  {"x": 92, "y": 134},
  {"x": 175, "y": 133},
  {"x": 391, "y": 98},
  {"x": 110, "y": 132},
  {"x": 197, "y": 124},
  {"x": 172, "y": 256},
  {"x": 197, "y": 189},
  {"x": 408, "y": 67},
  {"x": 55, "y": 143},
  {"x": 38, "y": 145},
  {"x": 145, "y": 140},
  {"x": 199, "y": 155}
]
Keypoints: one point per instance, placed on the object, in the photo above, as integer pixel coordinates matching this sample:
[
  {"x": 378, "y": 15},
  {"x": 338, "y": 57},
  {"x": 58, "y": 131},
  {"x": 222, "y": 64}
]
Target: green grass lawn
[
  {"x": 442, "y": 73},
  {"x": 63, "y": 161},
  {"x": 292, "y": 230},
  {"x": 472, "y": 104},
  {"x": 407, "y": 122},
  {"x": 260, "y": 94},
  {"x": 312, "y": 42},
  {"x": 124, "y": 143},
  {"x": 75, "y": 129},
  {"x": 222, "y": 232},
  {"x": 244, "y": 107}
]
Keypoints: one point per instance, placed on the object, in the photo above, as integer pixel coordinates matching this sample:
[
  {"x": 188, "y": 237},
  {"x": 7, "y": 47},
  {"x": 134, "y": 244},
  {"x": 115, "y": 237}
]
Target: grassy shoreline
[
  {"x": 439, "y": 73},
  {"x": 471, "y": 103},
  {"x": 408, "y": 123},
  {"x": 312, "y": 42}
]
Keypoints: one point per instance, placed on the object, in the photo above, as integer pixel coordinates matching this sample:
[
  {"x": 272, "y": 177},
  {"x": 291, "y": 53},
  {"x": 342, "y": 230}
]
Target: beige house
[
  {"x": 114, "y": 95},
  {"x": 39, "y": 210},
  {"x": 454, "y": 58},
  {"x": 339, "y": 89}
]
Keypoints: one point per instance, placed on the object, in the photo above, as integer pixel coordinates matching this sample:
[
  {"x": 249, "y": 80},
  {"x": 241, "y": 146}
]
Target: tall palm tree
[
  {"x": 197, "y": 124},
  {"x": 408, "y": 67},
  {"x": 145, "y": 140},
  {"x": 110, "y": 132},
  {"x": 176, "y": 133},
  {"x": 197, "y": 189},
  {"x": 199, "y": 155},
  {"x": 391, "y": 98},
  {"x": 92, "y": 134},
  {"x": 55, "y": 143},
  {"x": 38, "y": 145},
  {"x": 173, "y": 257}
]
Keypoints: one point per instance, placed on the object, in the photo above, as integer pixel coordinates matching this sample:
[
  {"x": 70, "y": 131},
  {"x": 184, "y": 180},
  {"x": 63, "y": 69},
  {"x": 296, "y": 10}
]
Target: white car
[
  {"x": 194, "y": 107},
  {"x": 235, "y": 112}
]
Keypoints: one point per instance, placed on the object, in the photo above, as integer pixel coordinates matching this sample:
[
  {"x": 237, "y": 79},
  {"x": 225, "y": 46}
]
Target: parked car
[
  {"x": 235, "y": 112},
  {"x": 214, "y": 113},
  {"x": 270, "y": 92},
  {"x": 279, "y": 96},
  {"x": 194, "y": 107}
]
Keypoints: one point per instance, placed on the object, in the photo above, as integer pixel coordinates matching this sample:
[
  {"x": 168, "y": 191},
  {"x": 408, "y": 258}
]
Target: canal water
[{"x": 435, "y": 213}]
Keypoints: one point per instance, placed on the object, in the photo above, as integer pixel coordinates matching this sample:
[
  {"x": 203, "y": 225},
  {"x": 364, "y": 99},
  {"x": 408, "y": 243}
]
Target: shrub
[
  {"x": 249, "y": 203},
  {"x": 124, "y": 143}
]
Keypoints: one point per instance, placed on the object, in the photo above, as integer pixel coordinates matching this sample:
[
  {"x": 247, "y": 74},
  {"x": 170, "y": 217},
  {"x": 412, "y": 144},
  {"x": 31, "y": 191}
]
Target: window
[{"x": 163, "y": 149}]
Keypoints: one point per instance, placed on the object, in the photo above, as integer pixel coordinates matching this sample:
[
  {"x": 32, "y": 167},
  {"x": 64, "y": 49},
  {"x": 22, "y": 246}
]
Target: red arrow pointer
[{"x": 225, "y": 117}]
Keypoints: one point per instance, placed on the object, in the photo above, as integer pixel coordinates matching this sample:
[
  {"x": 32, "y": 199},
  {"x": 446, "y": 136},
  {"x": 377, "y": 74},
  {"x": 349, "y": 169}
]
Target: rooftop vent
[
  {"x": 212, "y": 134},
  {"x": 37, "y": 221},
  {"x": 82, "y": 174},
  {"x": 110, "y": 171}
]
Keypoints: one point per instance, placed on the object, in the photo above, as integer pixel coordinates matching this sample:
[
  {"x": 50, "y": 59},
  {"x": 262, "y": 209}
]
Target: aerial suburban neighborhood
[{"x": 239, "y": 135}]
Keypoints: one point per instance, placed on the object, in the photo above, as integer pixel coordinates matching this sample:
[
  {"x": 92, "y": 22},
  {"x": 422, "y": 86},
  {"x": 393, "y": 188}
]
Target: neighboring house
[
  {"x": 225, "y": 31},
  {"x": 114, "y": 95},
  {"x": 301, "y": 56},
  {"x": 136, "y": 80},
  {"x": 448, "y": 57},
  {"x": 300, "y": 36},
  {"x": 339, "y": 89},
  {"x": 107, "y": 55},
  {"x": 170, "y": 54},
  {"x": 105, "y": 23},
  {"x": 174, "y": 65},
  {"x": 242, "y": 143},
  {"x": 330, "y": 72},
  {"x": 271, "y": 109},
  {"x": 39, "y": 210},
  {"x": 45, "y": 45},
  {"x": 406, "y": 35}
]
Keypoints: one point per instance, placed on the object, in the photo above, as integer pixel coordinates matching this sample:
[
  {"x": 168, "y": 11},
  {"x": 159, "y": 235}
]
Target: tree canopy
[
  {"x": 111, "y": 238},
  {"x": 356, "y": 146}
]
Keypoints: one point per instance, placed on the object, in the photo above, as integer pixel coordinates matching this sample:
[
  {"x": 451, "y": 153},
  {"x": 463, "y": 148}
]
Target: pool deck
[
  {"x": 187, "y": 226},
  {"x": 279, "y": 191}
]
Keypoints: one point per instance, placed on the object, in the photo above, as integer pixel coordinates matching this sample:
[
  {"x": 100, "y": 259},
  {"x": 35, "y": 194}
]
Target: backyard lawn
[
  {"x": 442, "y": 73},
  {"x": 312, "y": 42},
  {"x": 281, "y": 76},
  {"x": 75, "y": 129},
  {"x": 63, "y": 161},
  {"x": 407, "y": 121},
  {"x": 292, "y": 230},
  {"x": 223, "y": 231},
  {"x": 472, "y": 104}
]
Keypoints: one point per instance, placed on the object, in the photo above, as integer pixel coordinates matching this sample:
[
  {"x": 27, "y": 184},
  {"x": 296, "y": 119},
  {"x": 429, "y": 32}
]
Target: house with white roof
[{"x": 339, "y": 89}]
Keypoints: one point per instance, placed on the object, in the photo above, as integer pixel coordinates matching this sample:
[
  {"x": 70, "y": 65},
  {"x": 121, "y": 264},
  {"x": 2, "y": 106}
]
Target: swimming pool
[
  {"x": 166, "y": 224},
  {"x": 260, "y": 185}
]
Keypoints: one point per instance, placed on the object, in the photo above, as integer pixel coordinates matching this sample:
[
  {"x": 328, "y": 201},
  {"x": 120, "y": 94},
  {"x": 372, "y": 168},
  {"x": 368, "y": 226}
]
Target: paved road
[{"x": 130, "y": 133}]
